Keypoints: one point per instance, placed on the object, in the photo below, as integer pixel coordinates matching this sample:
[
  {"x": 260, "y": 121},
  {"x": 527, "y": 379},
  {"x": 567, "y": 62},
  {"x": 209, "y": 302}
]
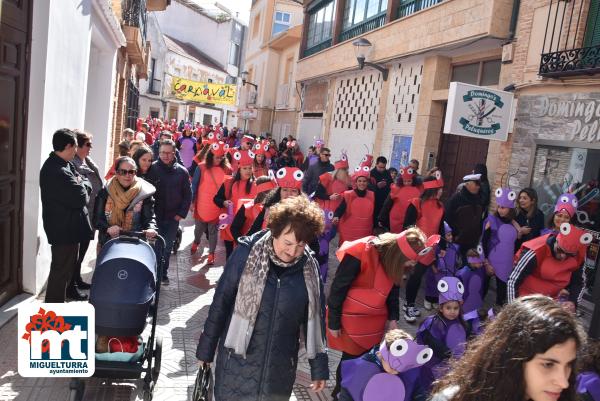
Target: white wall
[{"x": 60, "y": 56}]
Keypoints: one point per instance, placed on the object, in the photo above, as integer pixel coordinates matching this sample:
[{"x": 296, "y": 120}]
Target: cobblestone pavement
[{"x": 183, "y": 308}]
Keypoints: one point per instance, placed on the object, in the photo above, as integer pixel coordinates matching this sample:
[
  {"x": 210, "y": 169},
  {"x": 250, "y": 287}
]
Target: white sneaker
[
  {"x": 409, "y": 314},
  {"x": 416, "y": 310},
  {"x": 427, "y": 305}
]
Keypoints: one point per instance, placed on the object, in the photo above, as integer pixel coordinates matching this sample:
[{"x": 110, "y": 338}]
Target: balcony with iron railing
[
  {"x": 408, "y": 7},
  {"x": 317, "y": 48},
  {"x": 134, "y": 17},
  {"x": 367, "y": 25},
  {"x": 572, "y": 39}
]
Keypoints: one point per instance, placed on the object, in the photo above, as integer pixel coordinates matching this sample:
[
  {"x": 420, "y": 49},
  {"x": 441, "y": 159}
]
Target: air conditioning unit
[{"x": 252, "y": 97}]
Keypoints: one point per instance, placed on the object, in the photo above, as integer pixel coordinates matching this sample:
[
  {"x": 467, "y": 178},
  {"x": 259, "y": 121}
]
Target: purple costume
[
  {"x": 501, "y": 245},
  {"x": 446, "y": 267},
  {"x": 324, "y": 239},
  {"x": 445, "y": 337},
  {"x": 187, "y": 149},
  {"x": 589, "y": 383},
  {"x": 364, "y": 379},
  {"x": 225, "y": 219},
  {"x": 473, "y": 280}
]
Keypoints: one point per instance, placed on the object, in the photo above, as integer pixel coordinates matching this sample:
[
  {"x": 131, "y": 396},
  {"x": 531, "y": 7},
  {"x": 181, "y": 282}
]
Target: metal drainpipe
[{"x": 513, "y": 20}]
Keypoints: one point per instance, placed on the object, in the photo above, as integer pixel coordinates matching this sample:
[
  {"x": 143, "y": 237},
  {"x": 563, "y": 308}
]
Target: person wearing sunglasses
[
  {"x": 125, "y": 203},
  {"x": 312, "y": 173},
  {"x": 551, "y": 265}
]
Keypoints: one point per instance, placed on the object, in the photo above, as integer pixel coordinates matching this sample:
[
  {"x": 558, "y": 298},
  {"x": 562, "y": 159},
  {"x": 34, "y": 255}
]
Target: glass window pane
[
  {"x": 328, "y": 23},
  {"x": 277, "y": 16},
  {"x": 310, "y": 39},
  {"x": 491, "y": 73},
  {"x": 286, "y": 17},
  {"x": 359, "y": 13},
  {"x": 465, "y": 73},
  {"x": 277, "y": 28},
  {"x": 383, "y": 7},
  {"x": 372, "y": 8},
  {"x": 348, "y": 13},
  {"x": 319, "y": 25}
]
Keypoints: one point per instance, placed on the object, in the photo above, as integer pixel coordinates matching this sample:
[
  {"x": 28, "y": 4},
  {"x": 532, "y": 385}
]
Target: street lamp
[
  {"x": 244, "y": 81},
  {"x": 362, "y": 48}
]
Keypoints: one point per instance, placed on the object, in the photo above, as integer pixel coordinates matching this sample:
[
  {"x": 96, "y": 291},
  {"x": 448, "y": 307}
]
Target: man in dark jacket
[
  {"x": 65, "y": 194},
  {"x": 312, "y": 174},
  {"x": 464, "y": 214},
  {"x": 156, "y": 145},
  {"x": 382, "y": 181},
  {"x": 173, "y": 196}
]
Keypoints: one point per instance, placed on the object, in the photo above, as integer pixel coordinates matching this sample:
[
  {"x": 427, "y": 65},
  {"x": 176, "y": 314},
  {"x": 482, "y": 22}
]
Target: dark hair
[
  {"x": 512, "y": 213},
  {"x": 494, "y": 361},
  {"x": 590, "y": 356},
  {"x": 167, "y": 142},
  {"x": 394, "y": 169},
  {"x": 381, "y": 159},
  {"x": 166, "y": 133},
  {"x": 532, "y": 194},
  {"x": 550, "y": 222},
  {"x": 431, "y": 192},
  {"x": 124, "y": 148},
  {"x": 141, "y": 151},
  {"x": 260, "y": 197},
  {"x": 324, "y": 149},
  {"x": 209, "y": 160},
  {"x": 481, "y": 168},
  {"x": 62, "y": 138},
  {"x": 238, "y": 177},
  {"x": 414, "y": 161},
  {"x": 122, "y": 160},
  {"x": 82, "y": 138},
  {"x": 302, "y": 216}
]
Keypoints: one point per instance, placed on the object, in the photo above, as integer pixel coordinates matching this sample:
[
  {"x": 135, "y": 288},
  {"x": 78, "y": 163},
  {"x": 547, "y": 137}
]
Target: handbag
[{"x": 203, "y": 384}]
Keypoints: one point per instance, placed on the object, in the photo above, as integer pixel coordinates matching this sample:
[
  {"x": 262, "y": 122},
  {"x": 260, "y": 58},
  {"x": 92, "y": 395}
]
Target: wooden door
[
  {"x": 14, "y": 78},
  {"x": 458, "y": 156}
]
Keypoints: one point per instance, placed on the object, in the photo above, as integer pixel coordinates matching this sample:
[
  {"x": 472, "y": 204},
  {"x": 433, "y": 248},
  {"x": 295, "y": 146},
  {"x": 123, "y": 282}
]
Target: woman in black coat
[{"x": 269, "y": 296}]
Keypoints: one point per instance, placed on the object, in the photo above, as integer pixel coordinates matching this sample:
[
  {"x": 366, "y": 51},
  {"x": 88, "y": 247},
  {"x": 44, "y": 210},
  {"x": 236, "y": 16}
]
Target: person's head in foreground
[{"x": 527, "y": 353}]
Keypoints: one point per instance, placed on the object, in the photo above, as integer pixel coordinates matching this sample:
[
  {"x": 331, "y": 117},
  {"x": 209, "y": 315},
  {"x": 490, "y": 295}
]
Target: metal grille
[
  {"x": 366, "y": 26},
  {"x": 133, "y": 105},
  {"x": 408, "y": 7},
  {"x": 134, "y": 14}
]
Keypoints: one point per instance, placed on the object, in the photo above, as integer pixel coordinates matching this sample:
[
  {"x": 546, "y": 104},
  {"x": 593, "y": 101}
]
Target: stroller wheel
[
  {"x": 148, "y": 392},
  {"x": 157, "y": 359}
]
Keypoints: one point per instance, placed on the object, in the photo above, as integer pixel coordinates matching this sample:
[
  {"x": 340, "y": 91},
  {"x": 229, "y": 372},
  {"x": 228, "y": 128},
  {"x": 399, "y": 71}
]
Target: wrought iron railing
[
  {"x": 408, "y": 7},
  {"x": 317, "y": 48},
  {"x": 365, "y": 26},
  {"x": 134, "y": 14},
  {"x": 572, "y": 39},
  {"x": 133, "y": 105}
]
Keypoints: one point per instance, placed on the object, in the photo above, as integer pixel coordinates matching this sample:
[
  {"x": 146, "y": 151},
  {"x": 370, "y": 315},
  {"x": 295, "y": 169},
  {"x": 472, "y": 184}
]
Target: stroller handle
[{"x": 133, "y": 234}]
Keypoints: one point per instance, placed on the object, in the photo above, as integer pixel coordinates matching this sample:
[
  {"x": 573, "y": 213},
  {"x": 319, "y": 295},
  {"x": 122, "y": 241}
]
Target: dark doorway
[
  {"x": 14, "y": 82},
  {"x": 458, "y": 156}
]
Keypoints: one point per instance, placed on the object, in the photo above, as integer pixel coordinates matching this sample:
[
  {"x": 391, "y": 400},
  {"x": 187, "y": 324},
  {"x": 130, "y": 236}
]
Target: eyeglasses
[
  {"x": 88, "y": 144},
  {"x": 326, "y": 154},
  {"x": 126, "y": 172},
  {"x": 166, "y": 153}
]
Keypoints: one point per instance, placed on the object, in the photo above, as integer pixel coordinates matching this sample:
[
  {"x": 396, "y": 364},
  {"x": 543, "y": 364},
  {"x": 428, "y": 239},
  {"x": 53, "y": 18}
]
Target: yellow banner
[{"x": 204, "y": 92}]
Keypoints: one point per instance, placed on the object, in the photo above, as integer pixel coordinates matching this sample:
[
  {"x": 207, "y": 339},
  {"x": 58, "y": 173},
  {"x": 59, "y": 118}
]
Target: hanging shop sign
[
  {"x": 478, "y": 112},
  {"x": 204, "y": 92}
]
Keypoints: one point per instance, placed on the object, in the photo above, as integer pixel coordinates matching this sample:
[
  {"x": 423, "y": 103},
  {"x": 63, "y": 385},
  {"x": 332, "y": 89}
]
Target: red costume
[
  {"x": 401, "y": 197},
  {"x": 331, "y": 186}
]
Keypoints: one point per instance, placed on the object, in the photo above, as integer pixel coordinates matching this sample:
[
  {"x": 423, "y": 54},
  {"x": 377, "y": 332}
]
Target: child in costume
[
  {"x": 390, "y": 371},
  {"x": 498, "y": 241},
  {"x": 473, "y": 276},
  {"x": 401, "y": 193},
  {"x": 565, "y": 211},
  {"x": 444, "y": 332},
  {"x": 447, "y": 263},
  {"x": 588, "y": 380}
]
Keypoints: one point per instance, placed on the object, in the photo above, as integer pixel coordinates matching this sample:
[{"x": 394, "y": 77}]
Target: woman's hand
[
  {"x": 113, "y": 231},
  {"x": 227, "y": 203},
  {"x": 525, "y": 230},
  {"x": 150, "y": 233},
  {"x": 334, "y": 197},
  {"x": 489, "y": 269},
  {"x": 442, "y": 253},
  {"x": 335, "y": 333},
  {"x": 317, "y": 385}
]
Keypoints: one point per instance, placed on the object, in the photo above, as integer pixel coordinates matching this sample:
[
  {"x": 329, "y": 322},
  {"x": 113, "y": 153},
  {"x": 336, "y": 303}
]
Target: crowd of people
[{"x": 277, "y": 212}]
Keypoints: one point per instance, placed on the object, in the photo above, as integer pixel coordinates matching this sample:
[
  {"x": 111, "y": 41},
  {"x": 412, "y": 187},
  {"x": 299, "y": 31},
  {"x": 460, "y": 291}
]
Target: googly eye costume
[
  {"x": 342, "y": 162},
  {"x": 289, "y": 177},
  {"x": 449, "y": 336},
  {"x": 365, "y": 379},
  {"x": 324, "y": 239},
  {"x": 364, "y": 311},
  {"x": 357, "y": 220},
  {"x": 446, "y": 266},
  {"x": 401, "y": 196},
  {"x": 211, "y": 180},
  {"x": 502, "y": 236},
  {"x": 567, "y": 202},
  {"x": 539, "y": 271},
  {"x": 473, "y": 280},
  {"x": 431, "y": 211}
]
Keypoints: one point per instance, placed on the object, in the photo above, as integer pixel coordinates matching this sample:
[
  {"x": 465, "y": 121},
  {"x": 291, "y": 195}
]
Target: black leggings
[
  {"x": 414, "y": 283},
  {"x": 501, "y": 290},
  {"x": 228, "y": 248}
]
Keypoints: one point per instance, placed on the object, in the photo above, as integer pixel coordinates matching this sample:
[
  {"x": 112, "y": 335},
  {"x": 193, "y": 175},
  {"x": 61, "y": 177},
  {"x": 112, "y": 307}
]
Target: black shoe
[
  {"x": 75, "y": 295},
  {"x": 82, "y": 285},
  {"x": 165, "y": 280}
]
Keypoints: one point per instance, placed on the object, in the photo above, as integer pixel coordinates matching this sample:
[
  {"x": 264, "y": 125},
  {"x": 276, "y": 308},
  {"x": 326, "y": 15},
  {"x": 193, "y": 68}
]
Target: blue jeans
[{"x": 168, "y": 230}]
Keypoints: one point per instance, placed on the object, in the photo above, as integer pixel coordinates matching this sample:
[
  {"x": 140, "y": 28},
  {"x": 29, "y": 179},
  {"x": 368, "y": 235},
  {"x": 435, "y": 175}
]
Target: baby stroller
[{"x": 125, "y": 291}]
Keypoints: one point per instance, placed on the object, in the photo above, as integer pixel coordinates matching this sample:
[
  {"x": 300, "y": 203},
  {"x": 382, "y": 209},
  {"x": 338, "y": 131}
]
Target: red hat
[
  {"x": 426, "y": 256},
  {"x": 266, "y": 186},
  {"x": 219, "y": 148},
  {"x": 361, "y": 171},
  {"x": 570, "y": 238},
  {"x": 367, "y": 161},
  {"x": 248, "y": 138},
  {"x": 261, "y": 147},
  {"x": 289, "y": 177},
  {"x": 211, "y": 138},
  {"x": 407, "y": 173},
  {"x": 437, "y": 183},
  {"x": 243, "y": 157},
  {"x": 342, "y": 163}
]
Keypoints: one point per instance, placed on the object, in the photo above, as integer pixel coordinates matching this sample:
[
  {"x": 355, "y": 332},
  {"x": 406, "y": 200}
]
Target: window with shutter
[{"x": 592, "y": 33}]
